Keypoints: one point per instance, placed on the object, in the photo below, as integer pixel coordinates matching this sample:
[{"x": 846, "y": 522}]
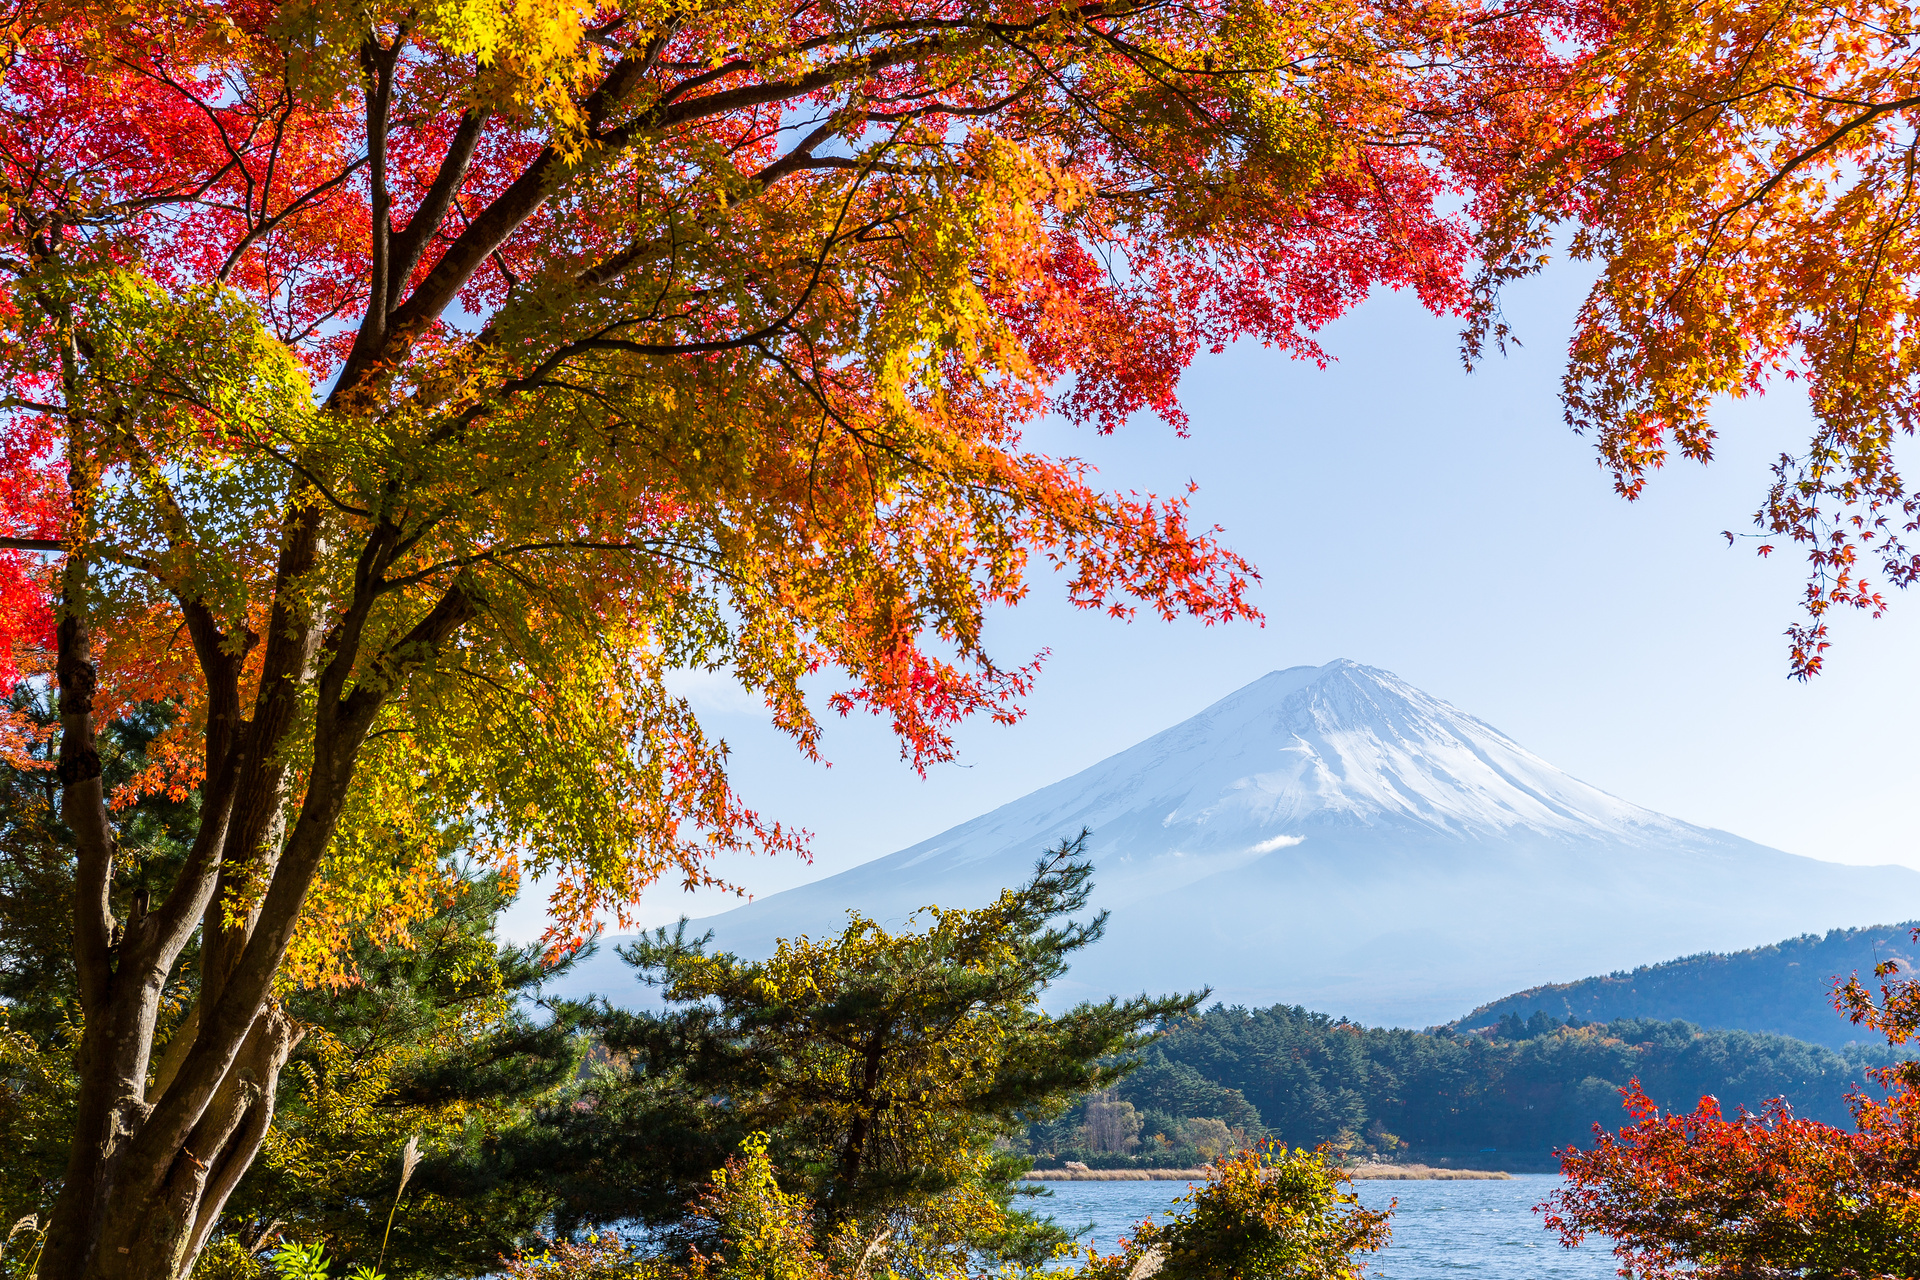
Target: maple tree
[
  {"x": 1743, "y": 172},
  {"x": 398, "y": 394},
  {"x": 1700, "y": 1194},
  {"x": 434, "y": 1040}
]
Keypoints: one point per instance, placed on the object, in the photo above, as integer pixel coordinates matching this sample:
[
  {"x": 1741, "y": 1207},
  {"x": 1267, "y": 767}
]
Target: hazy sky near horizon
[{"x": 1449, "y": 528}]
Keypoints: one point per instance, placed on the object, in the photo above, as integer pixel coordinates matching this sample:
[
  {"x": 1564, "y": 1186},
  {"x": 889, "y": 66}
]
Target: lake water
[{"x": 1451, "y": 1229}]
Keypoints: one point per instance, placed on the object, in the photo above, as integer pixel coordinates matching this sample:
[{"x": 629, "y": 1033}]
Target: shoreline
[
  {"x": 1114, "y": 1175},
  {"x": 1366, "y": 1172}
]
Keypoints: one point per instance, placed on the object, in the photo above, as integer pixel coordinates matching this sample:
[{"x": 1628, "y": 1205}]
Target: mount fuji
[{"x": 1334, "y": 837}]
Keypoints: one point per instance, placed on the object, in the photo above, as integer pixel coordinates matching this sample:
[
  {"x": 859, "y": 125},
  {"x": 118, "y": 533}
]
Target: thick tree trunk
[
  {"x": 153, "y": 1165},
  {"x": 222, "y": 1148},
  {"x": 123, "y": 968},
  {"x": 162, "y": 1241},
  {"x": 154, "y": 1162}
]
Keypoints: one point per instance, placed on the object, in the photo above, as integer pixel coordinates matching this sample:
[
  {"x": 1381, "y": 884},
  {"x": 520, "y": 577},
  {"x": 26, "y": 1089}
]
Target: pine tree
[{"x": 884, "y": 1066}]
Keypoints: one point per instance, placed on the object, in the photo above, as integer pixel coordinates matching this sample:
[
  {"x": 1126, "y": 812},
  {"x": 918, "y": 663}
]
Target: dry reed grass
[
  {"x": 1382, "y": 1172},
  {"x": 1423, "y": 1173}
]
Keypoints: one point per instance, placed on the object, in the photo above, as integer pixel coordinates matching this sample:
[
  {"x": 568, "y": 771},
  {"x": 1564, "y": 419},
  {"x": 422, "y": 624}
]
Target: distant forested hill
[
  {"x": 1307, "y": 1078},
  {"x": 1784, "y": 988}
]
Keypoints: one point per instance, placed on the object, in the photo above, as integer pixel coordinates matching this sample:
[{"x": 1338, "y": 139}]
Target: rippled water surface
[{"x": 1452, "y": 1229}]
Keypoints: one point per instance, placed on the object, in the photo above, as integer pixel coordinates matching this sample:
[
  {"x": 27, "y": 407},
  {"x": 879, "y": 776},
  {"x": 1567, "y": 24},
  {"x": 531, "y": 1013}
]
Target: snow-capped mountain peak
[
  {"x": 1351, "y": 744},
  {"x": 1297, "y": 752},
  {"x": 1335, "y": 836}
]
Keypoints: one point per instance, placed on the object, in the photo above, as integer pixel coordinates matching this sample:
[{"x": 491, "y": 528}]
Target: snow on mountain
[{"x": 1334, "y": 837}]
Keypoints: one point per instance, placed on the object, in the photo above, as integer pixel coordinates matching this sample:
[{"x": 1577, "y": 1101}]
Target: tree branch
[
  {"x": 409, "y": 244},
  {"x": 513, "y": 206}
]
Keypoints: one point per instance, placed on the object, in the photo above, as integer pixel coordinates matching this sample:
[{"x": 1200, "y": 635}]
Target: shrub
[{"x": 1268, "y": 1214}]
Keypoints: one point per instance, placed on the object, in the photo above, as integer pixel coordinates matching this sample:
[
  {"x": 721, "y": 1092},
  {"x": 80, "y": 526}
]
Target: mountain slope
[
  {"x": 1334, "y": 837},
  {"x": 1784, "y": 988}
]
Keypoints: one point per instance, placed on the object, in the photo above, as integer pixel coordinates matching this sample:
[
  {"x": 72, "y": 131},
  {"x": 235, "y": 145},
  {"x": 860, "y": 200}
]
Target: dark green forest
[
  {"x": 1524, "y": 1088},
  {"x": 1785, "y": 988}
]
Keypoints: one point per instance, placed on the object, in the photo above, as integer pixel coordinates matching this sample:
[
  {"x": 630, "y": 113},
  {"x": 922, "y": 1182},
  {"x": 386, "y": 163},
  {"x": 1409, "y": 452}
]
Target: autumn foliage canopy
[
  {"x": 1742, "y": 173},
  {"x": 631, "y": 340},
  {"x": 397, "y": 393}
]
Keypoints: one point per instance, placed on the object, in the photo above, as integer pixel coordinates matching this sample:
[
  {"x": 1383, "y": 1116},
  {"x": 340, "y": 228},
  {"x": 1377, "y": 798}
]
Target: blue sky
[{"x": 1449, "y": 528}]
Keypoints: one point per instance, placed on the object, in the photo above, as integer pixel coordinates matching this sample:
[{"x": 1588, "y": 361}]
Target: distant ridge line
[{"x": 1783, "y": 988}]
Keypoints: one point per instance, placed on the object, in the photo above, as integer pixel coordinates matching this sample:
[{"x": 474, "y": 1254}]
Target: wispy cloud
[
  {"x": 1278, "y": 842},
  {"x": 714, "y": 692}
]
